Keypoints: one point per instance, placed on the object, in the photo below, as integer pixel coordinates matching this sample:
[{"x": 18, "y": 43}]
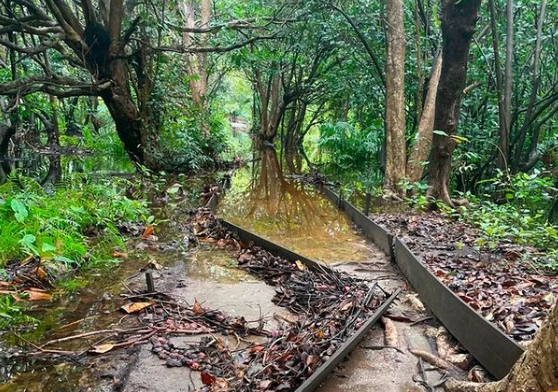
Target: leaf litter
[{"x": 499, "y": 283}]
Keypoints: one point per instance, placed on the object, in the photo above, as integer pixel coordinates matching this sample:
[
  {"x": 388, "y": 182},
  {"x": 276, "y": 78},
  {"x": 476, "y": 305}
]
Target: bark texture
[
  {"x": 503, "y": 156},
  {"x": 535, "y": 371},
  {"x": 421, "y": 147},
  {"x": 395, "y": 97},
  {"x": 459, "y": 19}
]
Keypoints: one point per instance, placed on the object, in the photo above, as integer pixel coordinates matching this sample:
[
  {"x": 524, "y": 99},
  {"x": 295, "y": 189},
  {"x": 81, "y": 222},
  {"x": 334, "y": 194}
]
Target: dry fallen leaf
[
  {"x": 119, "y": 255},
  {"x": 102, "y": 348},
  {"x": 300, "y": 266},
  {"x": 148, "y": 231},
  {"x": 197, "y": 308},
  {"x": 432, "y": 359},
  {"x": 391, "y": 336},
  {"x": 34, "y": 295},
  {"x": 207, "y": 378},
  {"x": 135, "y": 307},
  {"x": 154, "y": 265},
  {"x": 41, "y": 273},
  {"x": 416, "y": 304}
]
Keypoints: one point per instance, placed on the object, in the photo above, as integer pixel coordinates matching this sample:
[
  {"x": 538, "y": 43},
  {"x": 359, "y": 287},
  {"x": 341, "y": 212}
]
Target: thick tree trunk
[
  {"x": 423, "y": 143},
  {"x": 106, "y": 61},
  {"x": 395, "y": 97},
  {"x": 459, "y": 19},
  {"x": 196, "y": 65},
  {"x": 535, "y": 371},
  {"x": 126, "y": 119}
]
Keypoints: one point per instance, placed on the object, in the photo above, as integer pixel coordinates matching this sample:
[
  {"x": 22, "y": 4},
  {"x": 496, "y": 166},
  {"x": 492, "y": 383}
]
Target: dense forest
[{"x": 109, "y": 107}]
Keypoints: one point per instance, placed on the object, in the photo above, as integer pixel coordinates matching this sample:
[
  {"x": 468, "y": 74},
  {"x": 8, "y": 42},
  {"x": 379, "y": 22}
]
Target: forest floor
[
  {"x": 502, "y": 282},
  {"x": 114, "y": 336}
]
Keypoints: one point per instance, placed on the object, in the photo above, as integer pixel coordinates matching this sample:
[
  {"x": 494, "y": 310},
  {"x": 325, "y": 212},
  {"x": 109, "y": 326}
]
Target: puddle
[
  {"x": 261, "y": 199},
  {"x": 206, "y": 263}
]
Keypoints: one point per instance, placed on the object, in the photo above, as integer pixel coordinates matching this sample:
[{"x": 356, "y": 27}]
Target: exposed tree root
[{"x": 535, "y": 371}]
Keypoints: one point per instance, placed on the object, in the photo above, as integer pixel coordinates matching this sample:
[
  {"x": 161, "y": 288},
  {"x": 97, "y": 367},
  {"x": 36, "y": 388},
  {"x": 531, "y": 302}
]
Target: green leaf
[
  {"x": 441, "y": 133},
  {"x": 48, "y": 247},
  {"x": 20, "y": 210},
  {"x": 65, "y": 260},
  {"x": 28, "y": 240}
]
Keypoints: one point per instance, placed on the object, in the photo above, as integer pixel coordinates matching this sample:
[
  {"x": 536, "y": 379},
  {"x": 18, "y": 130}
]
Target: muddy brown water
[{"x": 260, "y": 200}]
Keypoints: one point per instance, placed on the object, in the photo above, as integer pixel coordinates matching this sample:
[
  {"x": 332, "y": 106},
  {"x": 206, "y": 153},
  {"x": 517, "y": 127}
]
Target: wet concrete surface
[
  {"x": 248, "y": 298},
  {"x": 386, "y": 370}
]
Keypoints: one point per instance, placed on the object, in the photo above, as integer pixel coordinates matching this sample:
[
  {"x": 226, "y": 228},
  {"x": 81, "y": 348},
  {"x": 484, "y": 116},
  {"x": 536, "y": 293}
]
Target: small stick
[
  {"x": 149, "y": 281},
  {"x": 87, "y": 334},
  {"x": 42, "y": 350},
  {"x": 422, "y": 320},
  {"x": 376, "y": 348}
]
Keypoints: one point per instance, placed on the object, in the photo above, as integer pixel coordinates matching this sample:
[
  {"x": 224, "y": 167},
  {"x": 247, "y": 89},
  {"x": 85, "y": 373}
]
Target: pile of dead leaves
[{"x": 499, "y": 283}]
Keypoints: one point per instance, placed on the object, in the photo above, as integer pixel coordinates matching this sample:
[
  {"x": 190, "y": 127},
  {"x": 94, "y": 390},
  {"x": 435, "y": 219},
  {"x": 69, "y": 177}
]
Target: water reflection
[{"x": 263, "y": 200}]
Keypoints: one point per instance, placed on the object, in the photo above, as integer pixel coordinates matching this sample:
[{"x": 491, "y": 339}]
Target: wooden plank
[
  {"x": 491, "y": 347},
  {"x": 370, "y": 229},
  {"x": 323, "y": 371}
]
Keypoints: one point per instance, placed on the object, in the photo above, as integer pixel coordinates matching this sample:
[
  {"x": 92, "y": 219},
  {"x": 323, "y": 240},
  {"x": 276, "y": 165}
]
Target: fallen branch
[{"x": 432, "y": 359}]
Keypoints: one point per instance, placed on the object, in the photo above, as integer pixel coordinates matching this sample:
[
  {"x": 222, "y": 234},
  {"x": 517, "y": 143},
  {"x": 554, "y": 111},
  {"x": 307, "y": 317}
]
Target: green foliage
[
  {"x": 348, "y": 154},
  {"x": 11, "y": 313},
  {"x": 57, "y": 227}
]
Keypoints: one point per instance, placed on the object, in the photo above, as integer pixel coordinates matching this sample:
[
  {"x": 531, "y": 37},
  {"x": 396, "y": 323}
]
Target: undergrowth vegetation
[
  {"x": 71, "y": 230},
  {"x": 517, "y": 208}
]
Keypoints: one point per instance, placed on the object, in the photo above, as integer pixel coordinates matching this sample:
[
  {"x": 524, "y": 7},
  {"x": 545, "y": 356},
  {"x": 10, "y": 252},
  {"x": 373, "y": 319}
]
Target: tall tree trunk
[
  {"x": 499, "y": 81},
  {"x": 535, "y": 371},
  {"x": 459, "y": 19},
  {"x": 420, "y": 75},
  {"x": 423, "y": 143},
  {"x": 196, "y": 65},
  {"x": 395, "y": 97},
  {"x": 503, "y": 156}
]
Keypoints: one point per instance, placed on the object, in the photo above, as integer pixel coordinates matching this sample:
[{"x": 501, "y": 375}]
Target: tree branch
[
  {"x": 57, "y": 86},
  {"x": 214, "y": 49}
]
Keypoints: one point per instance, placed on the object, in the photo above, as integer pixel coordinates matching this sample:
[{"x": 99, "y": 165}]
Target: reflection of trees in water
[{"x": 279, "y": 197}]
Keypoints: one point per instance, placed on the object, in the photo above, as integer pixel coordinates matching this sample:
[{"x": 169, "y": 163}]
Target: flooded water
[
  {"x": 95, "y": 307},
  {"x": 261, "y": 199}
]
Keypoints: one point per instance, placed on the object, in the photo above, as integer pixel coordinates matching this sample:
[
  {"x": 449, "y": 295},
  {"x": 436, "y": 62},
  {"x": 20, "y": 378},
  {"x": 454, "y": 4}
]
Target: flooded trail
[
  {"x": 296, "y": 216},
  {"x": 264, "y": 201}
]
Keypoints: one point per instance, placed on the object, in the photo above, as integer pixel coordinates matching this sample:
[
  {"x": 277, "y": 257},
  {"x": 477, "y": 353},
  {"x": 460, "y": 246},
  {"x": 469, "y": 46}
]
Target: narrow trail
[{"x": 280, "y": 210}]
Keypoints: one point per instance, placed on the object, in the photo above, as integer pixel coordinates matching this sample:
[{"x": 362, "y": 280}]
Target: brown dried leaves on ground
[{"x": 499, "y": 283}]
